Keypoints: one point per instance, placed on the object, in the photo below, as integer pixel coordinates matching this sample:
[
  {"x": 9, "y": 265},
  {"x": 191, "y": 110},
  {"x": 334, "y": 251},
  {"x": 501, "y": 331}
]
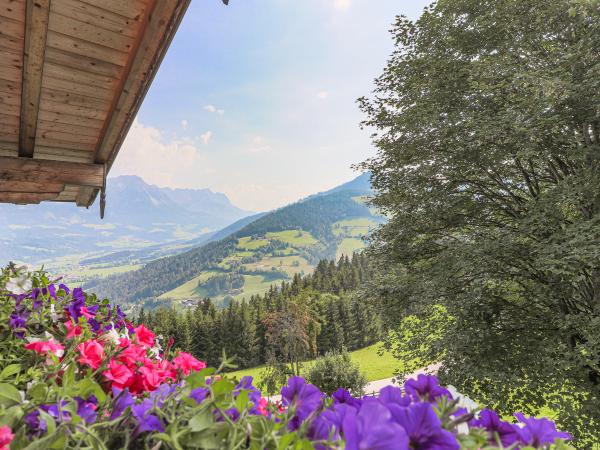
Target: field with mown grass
[{"x": 372, "y": 365}]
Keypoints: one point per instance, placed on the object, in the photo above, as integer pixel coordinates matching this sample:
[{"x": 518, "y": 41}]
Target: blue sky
[{"x": 258, "y": 99}]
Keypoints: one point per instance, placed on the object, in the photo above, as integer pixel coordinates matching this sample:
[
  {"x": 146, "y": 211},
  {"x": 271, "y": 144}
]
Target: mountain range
[
  {"x": 252, "y": 254},
  {"x": 138, "y": 215}
]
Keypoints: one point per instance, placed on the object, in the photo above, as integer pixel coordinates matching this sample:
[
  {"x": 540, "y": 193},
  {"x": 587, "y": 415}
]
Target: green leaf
[
  {"x": 201, "y": 421},
  {"x": 10, "y": 370},
  {"x": 9, "y": 395},
  {"x": 88, "y": 386}
]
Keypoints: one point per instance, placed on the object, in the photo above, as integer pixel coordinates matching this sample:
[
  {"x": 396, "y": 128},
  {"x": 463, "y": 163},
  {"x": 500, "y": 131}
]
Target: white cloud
[
  {"x": 258, "y": 144},
  {"x": 165, "y": 163},
  {"x": 205, "y": 137},
  {"x": 341, "y": 5},
  {"x": 214, "y": 109},
  {"x": 322, "y": 94},
  {"x": 184, "y": 124}
]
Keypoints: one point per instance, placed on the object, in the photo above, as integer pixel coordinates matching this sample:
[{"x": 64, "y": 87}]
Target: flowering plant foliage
[{"x": 75, "y": 373}]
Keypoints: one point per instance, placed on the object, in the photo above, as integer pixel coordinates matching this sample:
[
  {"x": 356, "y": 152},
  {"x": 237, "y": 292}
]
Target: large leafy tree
[{"x": 487, "y": 124}]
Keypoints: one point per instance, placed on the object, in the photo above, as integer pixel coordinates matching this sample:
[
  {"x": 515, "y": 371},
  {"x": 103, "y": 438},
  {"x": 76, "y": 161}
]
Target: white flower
[{"x": 19, "y": 284}]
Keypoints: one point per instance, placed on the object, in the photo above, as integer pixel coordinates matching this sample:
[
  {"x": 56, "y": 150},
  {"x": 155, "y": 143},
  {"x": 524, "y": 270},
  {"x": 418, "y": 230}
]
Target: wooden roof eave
[{"x": 73, "y": 74}]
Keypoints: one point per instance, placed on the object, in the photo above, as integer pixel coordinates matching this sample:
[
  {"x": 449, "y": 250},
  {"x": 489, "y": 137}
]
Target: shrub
[
  {"x": 74, "y": 373},
  {"x": 336, "y": 370}
]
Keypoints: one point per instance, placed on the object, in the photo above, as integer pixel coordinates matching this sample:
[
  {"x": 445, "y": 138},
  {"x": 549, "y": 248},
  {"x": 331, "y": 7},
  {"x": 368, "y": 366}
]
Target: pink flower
[
  {"x": 263, "y": 404},
  {"x": 187, "y": 363},
  {"x": 144, "y": 336},
  {"x": 119, "y": 374},
  {"x": 132, "y": 355},
  {"x": 124, "y": 342},
  {"x": 92, "y": 353},
  {"x": 150, "y": 377},
  {"x": 44, "y": 347},
  {"x": 6, "y": 437},
  {"x": 73, "y": 330},
  {"x": 86, "y": 313}
]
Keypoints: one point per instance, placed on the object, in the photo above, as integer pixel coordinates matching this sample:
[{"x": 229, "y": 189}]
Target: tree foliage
[{"x": 487, "y": 124}]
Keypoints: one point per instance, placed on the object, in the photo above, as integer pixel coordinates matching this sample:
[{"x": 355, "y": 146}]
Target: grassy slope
[{"x": 373, "y": 366}]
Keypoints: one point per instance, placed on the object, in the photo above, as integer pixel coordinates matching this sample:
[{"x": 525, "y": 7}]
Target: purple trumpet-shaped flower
[
  {"x": 37, "y": 425},
  {"x": 343, "y": 397},
  {"x": 146, "y": 420},
  {"x": 424, "y": 428},
  {"x": 76, "y": 304},
  {"x": 199, "y": 394},
  {"x": 372, "y": 428},
  {"x": 391, "y": 395},
  {"x": 64, "y": 288},
  {"x": 425, "y": 388},
  {"x": 538, "y": 432},
  {"x": 496, "y": 428},
  {"x": 123, "y": 400},
  {"x": 304, "y": 397},
  {"x": 86, "y": 409},
  {"x": 18, "y": 321},
  {"x": 328, "y": 425}
]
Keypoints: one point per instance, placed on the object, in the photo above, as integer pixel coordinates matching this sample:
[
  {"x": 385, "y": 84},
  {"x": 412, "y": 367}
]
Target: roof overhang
[{"x": 73, "y": 74}]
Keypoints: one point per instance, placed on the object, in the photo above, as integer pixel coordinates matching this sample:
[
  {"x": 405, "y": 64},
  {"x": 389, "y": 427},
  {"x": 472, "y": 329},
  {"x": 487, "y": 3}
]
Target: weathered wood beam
[
  {"x": 25, "y": 198},
  {"x": 36, "y": 28},
  {"x": 48, "y": 171},
  {"x": 30, "y": 186}
]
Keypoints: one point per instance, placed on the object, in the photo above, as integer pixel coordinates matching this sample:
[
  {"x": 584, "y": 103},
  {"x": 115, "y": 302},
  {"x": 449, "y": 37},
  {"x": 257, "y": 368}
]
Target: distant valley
[
  {"x": 143, "y": 222},
  {"x": 251, "y": 255}
]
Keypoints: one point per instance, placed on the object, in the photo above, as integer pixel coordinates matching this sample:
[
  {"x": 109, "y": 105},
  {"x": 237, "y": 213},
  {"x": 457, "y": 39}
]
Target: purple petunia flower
[
  {"x": 496, "y": 428},
  {"x": 146, "y": 420},
  {"x": 391, "y": 395},
  {"x": 123, "y": 400},
  {"x": 18, "y": 321},
  {"x": 425, "y": 388},
  {"x": 86, "y": 409},
  {"x": 76, "y": 304},
  {"x": 199, "y": 394},
  {"x": 538, "y": 432},
  {"x": 424, "y": 428},
  {"x": 343, "y": 397},
  {"x": 64, "y": 288},
  {"x": 304, "y": 397},
  {"x": 159, "y": 396},
  {"x": 37, "y": 425},
  {"x": 372, "y": 428}
]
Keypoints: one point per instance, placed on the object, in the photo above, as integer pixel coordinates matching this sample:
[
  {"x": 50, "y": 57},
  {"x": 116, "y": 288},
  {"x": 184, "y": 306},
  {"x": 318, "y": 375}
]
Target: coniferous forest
[{"x": 320, "y": 310}]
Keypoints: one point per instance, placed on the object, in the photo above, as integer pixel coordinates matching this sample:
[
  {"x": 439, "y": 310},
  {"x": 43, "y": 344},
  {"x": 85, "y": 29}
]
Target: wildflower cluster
[{"x": 74, "y": 372}]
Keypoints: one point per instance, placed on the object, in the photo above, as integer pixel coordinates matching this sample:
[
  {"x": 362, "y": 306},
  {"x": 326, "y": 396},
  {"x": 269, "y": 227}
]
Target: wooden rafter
[
  {"x": 36, "y": 29},
  {"x": 43, "y": 171}
]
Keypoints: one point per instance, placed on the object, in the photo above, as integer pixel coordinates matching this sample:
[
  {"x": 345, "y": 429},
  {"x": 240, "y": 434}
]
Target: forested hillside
[
  {"x": 326, "y": 315},
  {"x": 273, "y": 248}
]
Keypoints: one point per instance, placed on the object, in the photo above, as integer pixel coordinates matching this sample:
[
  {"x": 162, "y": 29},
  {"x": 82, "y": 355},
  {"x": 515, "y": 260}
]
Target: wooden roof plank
[
  {"x": 30, "y": 186},
  {"x": 68, "y": 119},
  {"x": 91, "y": 14},
  {"x": 90, "y": 32},
  {"x": 41, "y": 170},
  {"x": 36, "y": 24},
  {"x": 27, "y": 198},
  {"x": 46, "y": 125},
  {"x": 81, "y": 47},
  {"x": 85, "y": 64},
  {"x": 13, "y": 9},
  {"x": 131, "y": 8},
  {"x": 63, "y": 154}
]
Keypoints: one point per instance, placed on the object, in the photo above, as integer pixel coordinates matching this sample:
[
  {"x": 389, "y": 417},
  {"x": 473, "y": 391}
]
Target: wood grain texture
[
  {"x": 40, "y": 170},
  {"x": 36, "y": 26}
]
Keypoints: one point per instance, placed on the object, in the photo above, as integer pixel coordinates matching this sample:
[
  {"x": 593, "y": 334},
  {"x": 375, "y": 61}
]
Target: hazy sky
[{"x": 258, "y": 99}]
